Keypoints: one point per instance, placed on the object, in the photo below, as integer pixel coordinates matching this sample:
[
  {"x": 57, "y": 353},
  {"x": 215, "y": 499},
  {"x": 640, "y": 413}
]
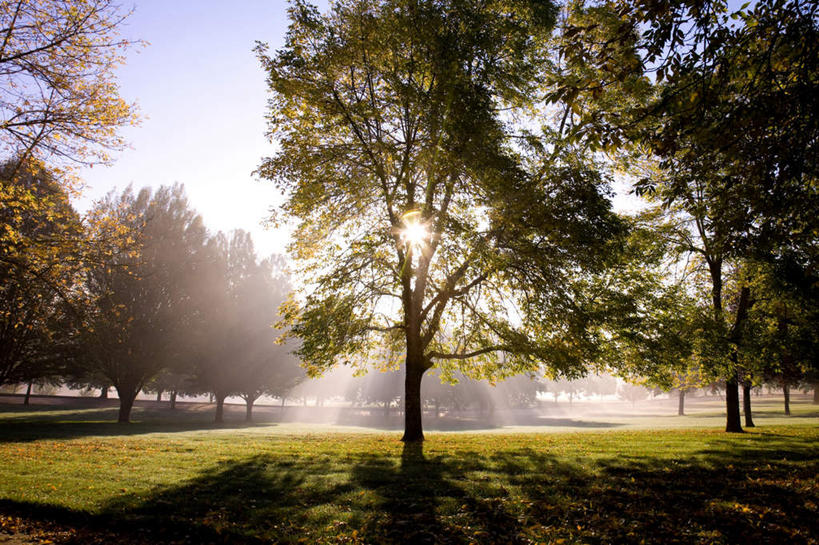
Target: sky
[{"x": 201, "y": 93}]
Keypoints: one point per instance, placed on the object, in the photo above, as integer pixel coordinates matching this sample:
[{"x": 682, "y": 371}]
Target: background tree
[
  {"x": 139, "y": 287},
  {"x": 173, "y": 380},
  {"x": 262, "y": 366},
  {"x": 600, "y": 384},
  {"x": 40, "y": 260},
  {"x": 519, "y": 391},
  {"x": 379, "y": 386},
  {"x": 415, "y": 201},
  {"x": 238, "y": 298},
  {"x": 632, "y": 392},
  {"x": 731, "y": 121},
  {"x": 784, "y": 341}
]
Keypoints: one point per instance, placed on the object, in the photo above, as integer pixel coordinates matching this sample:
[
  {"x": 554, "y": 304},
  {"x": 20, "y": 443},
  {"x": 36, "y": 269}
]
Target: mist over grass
[{"x": 545, "y": 416}]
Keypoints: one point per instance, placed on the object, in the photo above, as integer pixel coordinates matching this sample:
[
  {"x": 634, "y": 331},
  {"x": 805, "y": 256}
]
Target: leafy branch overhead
[{"x": 381, "y": 108}]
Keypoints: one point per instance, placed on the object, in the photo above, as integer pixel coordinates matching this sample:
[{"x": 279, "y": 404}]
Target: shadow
[
  {"x": 253, "y": 501},
  {"x": 455, "y": 422},
  {"x": 422, "y": 500},
  {"x": 23, "y": 424},
  {"x": 715, "y": 496},
  {"x": 571, "y": 423},
  {"x": 754, "y": 490}
]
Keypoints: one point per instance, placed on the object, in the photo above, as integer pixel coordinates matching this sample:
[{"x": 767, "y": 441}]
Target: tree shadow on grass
[
  {"x": 723, "y": 494},
  {"x": 717, "y": 496},
  {"x": 423, "y": 500},
  {"x": 51, "y": 423},
  {"x": 730, "y": 492},
  {"x": 257, "y": 500}
]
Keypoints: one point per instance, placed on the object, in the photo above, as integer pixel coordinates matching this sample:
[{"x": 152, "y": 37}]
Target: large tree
[
  {"x": 725, "y": 104},
  {"x": 139, "y": 287},
  {"x": 40, "y": 261},
  {"x": 429, "y": 222}
]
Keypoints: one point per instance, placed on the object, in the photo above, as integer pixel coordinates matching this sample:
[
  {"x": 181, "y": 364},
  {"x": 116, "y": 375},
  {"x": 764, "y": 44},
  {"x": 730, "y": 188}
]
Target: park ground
[{"x": 69, "y": 475}]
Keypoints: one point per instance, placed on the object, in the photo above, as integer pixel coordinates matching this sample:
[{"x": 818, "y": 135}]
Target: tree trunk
[
  {"x": 249, "y": 409},
  {"x": 28, "y": 394},
  {"x": 126, "y": 403},
  {"x": 104, "y": 392},
  {"x": 733, "y": 423},
  {"x": 413, "y": 428},
  {"x": 158, "y": 396},
  {"x": 173, "y": 399},
  {"x": 786, "y": 389},
  {"x": 681, "y": 403},
  {"x": 387, "y": 409},
  {"x": 220, "y": 408},
  {"x": 746, "y": 403}
]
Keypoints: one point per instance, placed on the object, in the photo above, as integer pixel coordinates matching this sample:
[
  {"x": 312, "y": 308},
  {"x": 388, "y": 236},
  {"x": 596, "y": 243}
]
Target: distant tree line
[{"x": 138, "y": 296}]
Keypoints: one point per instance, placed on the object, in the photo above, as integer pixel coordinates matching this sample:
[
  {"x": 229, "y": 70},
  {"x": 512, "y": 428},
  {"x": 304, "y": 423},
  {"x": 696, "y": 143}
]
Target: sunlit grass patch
[{"x": 286, "y": 483}]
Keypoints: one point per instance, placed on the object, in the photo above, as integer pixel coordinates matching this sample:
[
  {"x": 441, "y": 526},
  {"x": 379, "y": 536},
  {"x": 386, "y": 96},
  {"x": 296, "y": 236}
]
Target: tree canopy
[
  {"x": 428, "y": 219},
  {"x": 59, "y": 100}
]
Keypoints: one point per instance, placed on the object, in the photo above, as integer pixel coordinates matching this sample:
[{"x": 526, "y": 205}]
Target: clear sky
[{"x": 202, "y": 94}]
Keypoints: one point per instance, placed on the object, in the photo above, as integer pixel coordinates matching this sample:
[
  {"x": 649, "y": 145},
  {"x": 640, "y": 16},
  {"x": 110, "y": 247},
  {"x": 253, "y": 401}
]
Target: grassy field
[{"x": 66, "y": 476}]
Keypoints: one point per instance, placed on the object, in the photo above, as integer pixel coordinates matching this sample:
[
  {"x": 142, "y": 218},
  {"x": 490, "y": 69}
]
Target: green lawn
[{"x": 65, "y": 477}]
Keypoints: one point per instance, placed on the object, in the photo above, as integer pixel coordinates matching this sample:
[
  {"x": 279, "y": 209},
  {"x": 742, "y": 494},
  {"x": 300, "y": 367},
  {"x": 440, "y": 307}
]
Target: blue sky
[{"x": 202, "y": 96}]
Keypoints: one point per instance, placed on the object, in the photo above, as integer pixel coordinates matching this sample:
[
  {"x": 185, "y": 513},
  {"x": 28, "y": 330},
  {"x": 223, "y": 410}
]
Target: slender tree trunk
[
  {"x": 746, "y": 403},
  {"x": 413, "y": 428},
  {"x": 173, "y": 399},
  {"x": 126, "y": 403},
  {"x": 786, "y": 389},
  {"x": 104, "y": 392},
  {"x": 816, "y": 393},
  {"x": 681, "y": 403},
  {"x": 249, "y": 409},
  {"x": 283, "y": 400},
  {"x": 158, "y": 396},
  {"x": 733, "y": 423},
  {"x": 220, "y": 408},
  {"x": 28, "y": 394}
]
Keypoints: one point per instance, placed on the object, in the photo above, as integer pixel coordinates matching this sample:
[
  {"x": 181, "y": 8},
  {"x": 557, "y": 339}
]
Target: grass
[{"x": 67, "y": 477}]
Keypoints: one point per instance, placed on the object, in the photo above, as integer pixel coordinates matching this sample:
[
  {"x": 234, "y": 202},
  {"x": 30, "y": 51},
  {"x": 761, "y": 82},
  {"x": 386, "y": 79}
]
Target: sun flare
[{"x": 415, "y": 234}]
